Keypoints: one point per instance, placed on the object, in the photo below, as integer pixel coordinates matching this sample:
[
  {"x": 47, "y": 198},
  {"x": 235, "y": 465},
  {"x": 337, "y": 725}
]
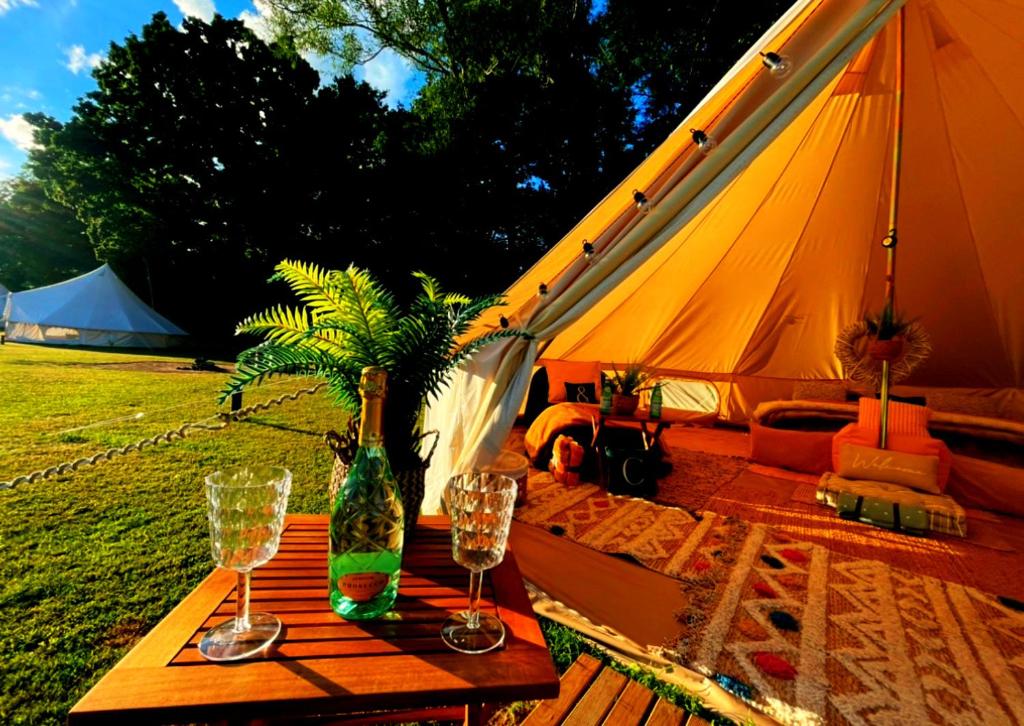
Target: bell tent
[
  {"x": 740, "y": 264},
  {"x": 4, "y": 292},
  {"x": 92, "y": 309}
]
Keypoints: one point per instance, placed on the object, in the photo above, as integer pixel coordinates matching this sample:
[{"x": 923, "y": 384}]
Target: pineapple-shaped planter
[{"x": 411, "y": 482}]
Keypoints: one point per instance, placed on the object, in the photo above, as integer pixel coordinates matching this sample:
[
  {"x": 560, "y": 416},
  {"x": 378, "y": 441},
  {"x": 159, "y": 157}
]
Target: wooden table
[
  {"x": 642, "y": 418},
  {"x": 322, "y": 664}
]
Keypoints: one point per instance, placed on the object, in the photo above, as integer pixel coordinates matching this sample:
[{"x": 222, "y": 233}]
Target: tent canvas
[
  {"x": 752, "y": 258},
  {"x": 93, "y": 309}
]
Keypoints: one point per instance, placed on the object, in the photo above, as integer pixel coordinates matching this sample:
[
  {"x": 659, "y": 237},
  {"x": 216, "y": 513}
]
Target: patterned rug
[
  {"x": 648, "y": 533},
  {"x": 696, "y": 476},
  {"x": 814, "y": 637}
]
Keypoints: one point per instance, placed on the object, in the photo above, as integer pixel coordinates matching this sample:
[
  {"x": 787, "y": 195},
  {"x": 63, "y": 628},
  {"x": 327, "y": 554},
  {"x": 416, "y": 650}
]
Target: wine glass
[
  {"x": 246, "y": 512},
  {"x": 481, "y": 507}
]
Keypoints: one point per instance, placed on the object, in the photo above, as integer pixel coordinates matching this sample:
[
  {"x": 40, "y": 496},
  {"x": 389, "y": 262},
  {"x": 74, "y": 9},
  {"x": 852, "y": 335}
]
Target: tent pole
[{"x": 889, "y": 242}]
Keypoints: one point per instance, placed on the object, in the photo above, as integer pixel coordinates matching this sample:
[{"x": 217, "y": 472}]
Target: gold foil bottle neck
[{"x": 373, "y": 383}]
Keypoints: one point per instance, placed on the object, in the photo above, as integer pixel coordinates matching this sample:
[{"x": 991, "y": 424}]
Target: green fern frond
[
  {"x": 271, "y": 359},
  {"x": 431, "y": 287},
  {"x": 310, "y": 284},
  {"x": 350, "y": 321}
]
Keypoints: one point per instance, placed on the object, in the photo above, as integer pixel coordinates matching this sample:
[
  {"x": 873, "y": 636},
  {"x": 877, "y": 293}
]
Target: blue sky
[{"x": 48, "y": 48}]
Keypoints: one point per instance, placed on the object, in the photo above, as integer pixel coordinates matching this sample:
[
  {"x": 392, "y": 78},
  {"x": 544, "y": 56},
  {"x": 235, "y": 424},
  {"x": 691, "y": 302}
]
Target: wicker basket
[{"x": 411, "y": 482}]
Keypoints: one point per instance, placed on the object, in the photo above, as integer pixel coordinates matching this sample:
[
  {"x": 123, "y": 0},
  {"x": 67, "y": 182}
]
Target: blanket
[{"x": 553, "y": 420}]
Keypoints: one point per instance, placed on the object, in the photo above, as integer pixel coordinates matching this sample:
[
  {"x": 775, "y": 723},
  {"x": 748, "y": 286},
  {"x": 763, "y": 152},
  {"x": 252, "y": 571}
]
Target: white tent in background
[
  {"x": 4, "y": 292},
  {"x": 93, "y": 309}
]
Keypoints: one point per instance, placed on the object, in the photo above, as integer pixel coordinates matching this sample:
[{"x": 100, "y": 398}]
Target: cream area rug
[
  {"x": 802, "y": 633},
  {"x": 814, "y": 637},
  {"x": 651, "y": 534}
]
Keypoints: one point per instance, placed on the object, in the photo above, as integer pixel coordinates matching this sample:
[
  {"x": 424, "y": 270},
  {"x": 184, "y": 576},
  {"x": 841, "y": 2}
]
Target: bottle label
[{"x": 363, "y": 586}]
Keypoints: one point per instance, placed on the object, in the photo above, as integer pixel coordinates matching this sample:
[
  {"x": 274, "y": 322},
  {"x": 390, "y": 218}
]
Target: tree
[
  {"x": 41, "y": 242},
  {"x": 203, "y": 158},
  {"x": 670, "y": 55},
  {"x": 517, "y": 134}
]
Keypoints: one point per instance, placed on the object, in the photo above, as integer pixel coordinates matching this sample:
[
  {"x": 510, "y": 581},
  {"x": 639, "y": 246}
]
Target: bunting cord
[{"x": 223, "y": 420}]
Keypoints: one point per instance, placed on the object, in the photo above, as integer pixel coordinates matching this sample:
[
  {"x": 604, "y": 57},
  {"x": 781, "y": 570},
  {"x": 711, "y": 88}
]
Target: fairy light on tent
[
  {"x": 703, "y": 140},
  {"x": 641, "y": 201},
  {"x": 778, "y": 66}
]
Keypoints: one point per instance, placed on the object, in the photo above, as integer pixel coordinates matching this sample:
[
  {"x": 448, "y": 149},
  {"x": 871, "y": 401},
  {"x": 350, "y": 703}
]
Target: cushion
[
  {"x": 1013, "y": 409},
  {"x": 987, "y": 485},
  {"x": 920, "y": 445},
  {"x": 904, "y": 418},
  {"x": 819, "y": 391},
  {"x": 894, "y": 467},
  {"x": 581, "y": 393},
  {"x": 561, "y": 372},
  {"x": 808, "y": 451},
  {"x": 963, "y": 403}
]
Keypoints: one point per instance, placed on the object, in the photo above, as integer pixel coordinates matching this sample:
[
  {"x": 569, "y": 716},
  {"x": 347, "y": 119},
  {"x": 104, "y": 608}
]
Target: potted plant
[
  {"x": 886, "y": 331},
  {"x": 350, "y": 321},
  {"x": 626, "y": 388}
]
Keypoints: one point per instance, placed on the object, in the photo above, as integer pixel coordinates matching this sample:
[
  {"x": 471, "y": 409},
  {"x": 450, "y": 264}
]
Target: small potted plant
[
  {"x": 626, "y": 388},
  {"x": 886, "y": 331},
  {"x": 351, "y": 321}
]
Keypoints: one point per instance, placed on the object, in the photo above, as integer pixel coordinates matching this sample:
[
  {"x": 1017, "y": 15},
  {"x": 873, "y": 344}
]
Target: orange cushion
[
  {"x": 904, "y": 418},
  {"x": 809, "y": 451},
  {"x": 561, "y": 372},
  {"x": 892, "y": 467},
  {"x": 987, "y": 485},
  {"x": 920, "y": 445}
]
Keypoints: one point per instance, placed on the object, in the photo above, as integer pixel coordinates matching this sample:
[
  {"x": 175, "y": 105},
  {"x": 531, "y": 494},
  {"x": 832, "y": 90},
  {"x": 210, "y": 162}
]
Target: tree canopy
[
  {"x": 205, "y": 155},
  {"x": 41, "y": 242}
]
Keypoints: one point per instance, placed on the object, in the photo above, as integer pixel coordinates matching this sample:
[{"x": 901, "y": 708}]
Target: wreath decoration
[{"x": 857, "y": 349}]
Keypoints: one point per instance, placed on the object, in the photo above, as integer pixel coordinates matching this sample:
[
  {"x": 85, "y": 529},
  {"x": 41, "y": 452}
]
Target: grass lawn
[{"x": 91, "y": 561}]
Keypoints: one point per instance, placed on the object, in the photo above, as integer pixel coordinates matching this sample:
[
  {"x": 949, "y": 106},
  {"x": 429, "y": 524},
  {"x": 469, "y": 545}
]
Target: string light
[
  {"x": 542, "y": 290},
  {"x": 504, "y": 322},
  {"x": 704, "y": 142},
  {"x": 778, "y": 66},
  {"x": 588, "y": 250},
  {"x": 641, "y": 201}
]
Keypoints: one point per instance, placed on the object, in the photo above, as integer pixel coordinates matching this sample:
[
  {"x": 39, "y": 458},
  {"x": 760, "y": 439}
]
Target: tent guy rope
[{"x": 223, "y": 421}]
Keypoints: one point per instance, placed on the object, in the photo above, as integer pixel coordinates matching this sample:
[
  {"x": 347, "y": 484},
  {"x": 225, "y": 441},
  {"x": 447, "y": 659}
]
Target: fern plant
[
  {"x": 350, "y": 321},
  {"x": 631, "y": 380}
]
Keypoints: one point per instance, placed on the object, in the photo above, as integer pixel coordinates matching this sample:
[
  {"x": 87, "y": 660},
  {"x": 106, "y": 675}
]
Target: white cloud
[
  {"x": 79, "y": 60},
  {"x": 8, "y": 5},
  {"x": 393, "y": 74},
  {"x": 258, "y": 22},
  {"x": 18, "y": 131},
  {"x": 202, "y": 9}
]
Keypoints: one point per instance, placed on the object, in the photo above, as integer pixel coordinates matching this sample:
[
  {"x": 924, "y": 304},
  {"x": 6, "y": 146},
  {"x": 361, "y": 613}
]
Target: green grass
[{"x": 89, "y": 562}]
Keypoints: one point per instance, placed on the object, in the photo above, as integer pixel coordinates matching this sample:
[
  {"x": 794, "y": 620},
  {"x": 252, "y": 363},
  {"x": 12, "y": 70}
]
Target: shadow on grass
[{"x": 281, "y": 427}]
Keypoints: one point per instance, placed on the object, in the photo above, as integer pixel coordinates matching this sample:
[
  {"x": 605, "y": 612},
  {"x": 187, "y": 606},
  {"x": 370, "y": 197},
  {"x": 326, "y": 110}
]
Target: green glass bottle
[
  {"x": 366, "y": 529},
  {"x": 656, "y": 399}
]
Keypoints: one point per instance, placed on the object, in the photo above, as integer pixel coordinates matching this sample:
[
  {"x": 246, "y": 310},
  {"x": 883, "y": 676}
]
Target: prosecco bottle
[
  {"x": 367, "y": 519},
  {"x": 656, "y": 399}
]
